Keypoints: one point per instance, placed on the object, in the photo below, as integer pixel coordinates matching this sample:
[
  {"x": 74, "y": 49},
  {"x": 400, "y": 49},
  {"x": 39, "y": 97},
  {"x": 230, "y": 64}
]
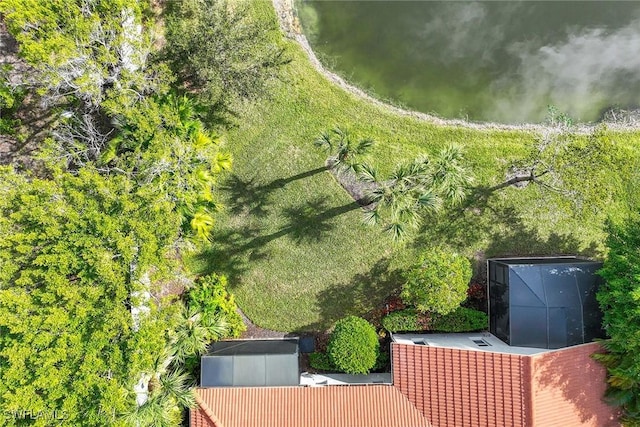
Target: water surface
[{"x": 484, "y": 61}]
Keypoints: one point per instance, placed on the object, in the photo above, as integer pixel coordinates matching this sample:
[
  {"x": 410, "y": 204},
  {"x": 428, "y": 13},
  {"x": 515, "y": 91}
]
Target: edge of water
[{"x": 290, "y": 25}]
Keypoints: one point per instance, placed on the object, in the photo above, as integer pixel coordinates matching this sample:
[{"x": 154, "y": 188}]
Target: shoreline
[{"x": 290, "y": 25}]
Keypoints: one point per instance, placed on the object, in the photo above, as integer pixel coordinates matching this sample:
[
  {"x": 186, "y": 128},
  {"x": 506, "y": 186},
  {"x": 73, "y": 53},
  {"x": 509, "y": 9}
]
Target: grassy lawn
[{"x": 292, "y": 241}]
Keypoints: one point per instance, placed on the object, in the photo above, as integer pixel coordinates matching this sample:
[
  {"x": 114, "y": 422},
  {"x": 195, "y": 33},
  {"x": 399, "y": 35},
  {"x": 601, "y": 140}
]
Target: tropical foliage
[
  {"x": 343, "y": 151},
  {"x": 163, "y": 146},
  {"x": 417, "y": 188},
  {"x": 438, "y": 282},
  {"x": 210, "y": 296},
  {"x": 353, "y": 346}
]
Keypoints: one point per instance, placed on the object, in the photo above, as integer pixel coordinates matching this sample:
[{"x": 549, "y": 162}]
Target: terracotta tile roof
[
  {"x": 329, "y": 406},
  {"x": 567, "y": 389},
  {"x": 461, "y": 388}
]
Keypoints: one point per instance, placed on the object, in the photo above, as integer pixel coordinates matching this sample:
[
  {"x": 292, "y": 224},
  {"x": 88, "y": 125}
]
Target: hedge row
[{"x": 461, "y": 320}]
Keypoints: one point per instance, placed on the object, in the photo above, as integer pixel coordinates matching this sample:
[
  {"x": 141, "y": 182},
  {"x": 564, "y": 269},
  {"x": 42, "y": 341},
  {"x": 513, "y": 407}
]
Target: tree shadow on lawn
[
  {"x": 247, "y": 196},
  {"x": 505, "y": 232},
  {"x": 231, "y": 251},
  {"x": 361, "y": 296}
]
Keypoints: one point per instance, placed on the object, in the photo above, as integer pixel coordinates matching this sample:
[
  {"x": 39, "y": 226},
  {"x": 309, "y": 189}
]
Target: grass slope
[{"x": 292, "y": 241}]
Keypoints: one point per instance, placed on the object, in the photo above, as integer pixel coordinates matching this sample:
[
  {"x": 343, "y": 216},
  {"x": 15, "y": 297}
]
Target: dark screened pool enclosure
[
  {"x": 544, "y": 302},
  {"x": 251, "y": 363}
]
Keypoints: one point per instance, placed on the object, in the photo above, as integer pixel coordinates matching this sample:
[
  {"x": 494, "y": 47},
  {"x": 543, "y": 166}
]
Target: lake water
[{"x": 504, "y": 61}]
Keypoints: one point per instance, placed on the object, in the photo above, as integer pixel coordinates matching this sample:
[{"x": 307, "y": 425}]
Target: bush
[
  {"x": 321, "y": 362},
  {"x": 438, "y": 282},
  {"x": 461, "y": 320},
  {"x": 410, "y": 320},
  {"x": 402, "y": 321},
  {"x": 382, "y": 361},
  {"x": 209, "y": 296},
  {"x": 353, "y": 346}
]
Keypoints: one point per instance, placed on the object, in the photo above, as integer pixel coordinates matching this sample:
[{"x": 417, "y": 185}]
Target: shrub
[
  {"x": 438, "y": 282},
  {"x": 402, "y": 321},
  {"x": 382, "y": 361},
  {"x": 353, "y": 346},
  {"x": 461, "y": 320},
  {"x": 209, "y": 296},
  {"x": 321, "y": 362}
]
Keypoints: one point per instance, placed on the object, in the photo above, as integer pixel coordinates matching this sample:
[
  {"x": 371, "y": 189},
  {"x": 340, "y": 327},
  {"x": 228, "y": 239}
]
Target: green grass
[{"x": 291, "y": 240}]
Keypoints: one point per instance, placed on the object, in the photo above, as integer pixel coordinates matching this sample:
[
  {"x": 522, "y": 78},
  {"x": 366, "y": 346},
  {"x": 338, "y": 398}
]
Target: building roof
[
  {"x": 460, "y": 387},
  {"x": 476, "y": 341},
  {"x": 251, "y": 364},
  {"x": 252, "y": 347},
  {"x": 335, "y": 406}
]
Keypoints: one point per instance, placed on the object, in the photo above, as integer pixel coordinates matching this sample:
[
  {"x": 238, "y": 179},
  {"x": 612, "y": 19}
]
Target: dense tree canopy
[
  {"x": 72, "y": 254},
  {"x": 130, "y": 169},
  {"x": 619, "y": 299},
  {"x": 216, "y": 48},
  {"x": 89, "y": 50}
]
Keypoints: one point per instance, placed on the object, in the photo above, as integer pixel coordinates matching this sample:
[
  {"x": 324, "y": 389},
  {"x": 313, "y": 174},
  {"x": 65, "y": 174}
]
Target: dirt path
[{"x": 289, "y": 23}]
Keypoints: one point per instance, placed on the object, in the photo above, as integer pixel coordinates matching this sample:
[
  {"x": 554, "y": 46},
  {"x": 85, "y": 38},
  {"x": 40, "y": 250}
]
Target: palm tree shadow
[
  {"x": 232, "y": 250},
  {"x": 311, "y": 221},
  {"x": 229, "y": 253},
  {"x": 246, "y": 196}
]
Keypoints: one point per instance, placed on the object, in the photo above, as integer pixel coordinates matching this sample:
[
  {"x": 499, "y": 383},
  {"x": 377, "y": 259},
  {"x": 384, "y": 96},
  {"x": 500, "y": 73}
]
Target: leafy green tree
[
  {"x": 619, "y": 298},
  {"x": 414, "y": 189},
  {"x": 353, "y": 346},
  {"x": 71, "y": 257},
  {"x": 86, "y": 50},
  {"x": 220, "y": 50},
  {"x": 343, "y": 150},
  {"x": 11, "y": 96},
  {"x": 438, "y": 282}
]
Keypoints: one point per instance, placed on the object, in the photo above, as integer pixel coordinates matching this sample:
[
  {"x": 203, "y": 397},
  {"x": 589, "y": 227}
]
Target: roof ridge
[{"x": 207, "y": 411}]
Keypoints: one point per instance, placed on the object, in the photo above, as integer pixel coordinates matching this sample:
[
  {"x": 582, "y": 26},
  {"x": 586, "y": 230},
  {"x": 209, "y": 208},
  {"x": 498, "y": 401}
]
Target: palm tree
[
  {"x": 156, "y": 412},
  {"x": 416, "y": 188},
  {"x": 170, "y": 388},
  {"x": 194, "y": 333},
  {"x": 343, "y": 150}
]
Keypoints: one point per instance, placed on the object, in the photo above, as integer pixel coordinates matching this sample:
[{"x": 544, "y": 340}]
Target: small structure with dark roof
[
  {"x": 252, "y": 363},
  {"x": 544, "y": 302}
]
